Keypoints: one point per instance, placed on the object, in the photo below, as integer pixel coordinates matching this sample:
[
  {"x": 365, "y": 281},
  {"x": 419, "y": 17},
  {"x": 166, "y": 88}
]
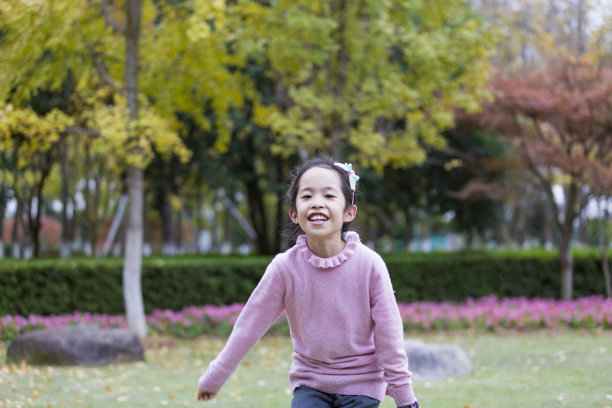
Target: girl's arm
[
  {"x": 389, "y": 338},
  {"x": 263, "y": 309}
]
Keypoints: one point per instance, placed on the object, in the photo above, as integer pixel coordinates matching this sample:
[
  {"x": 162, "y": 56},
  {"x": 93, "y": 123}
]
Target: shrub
[{"x": 58, "y": 286}]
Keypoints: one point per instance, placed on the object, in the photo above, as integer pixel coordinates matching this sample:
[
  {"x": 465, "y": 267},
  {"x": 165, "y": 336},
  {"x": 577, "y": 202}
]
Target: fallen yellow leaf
[{"x": 107, "y": 389}]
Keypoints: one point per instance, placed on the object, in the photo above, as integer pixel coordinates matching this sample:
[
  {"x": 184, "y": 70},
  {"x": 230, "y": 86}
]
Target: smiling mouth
[{"x": 318, "y": 218}]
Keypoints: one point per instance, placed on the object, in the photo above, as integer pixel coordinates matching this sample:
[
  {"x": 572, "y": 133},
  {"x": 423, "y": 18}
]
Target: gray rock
[
  {"x": 436, "y": 361},
  {"x": 76, "y": 345}
]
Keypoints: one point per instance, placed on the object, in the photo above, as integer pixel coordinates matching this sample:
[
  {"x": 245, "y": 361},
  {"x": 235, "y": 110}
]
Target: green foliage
[
  {"x": 457, "y": 276},
  {"x": 382, "y": 78},
  {"x": 94, "y": 285},
  {"x": 61, "y": 286},
  {"x": 177, "y": 283}
]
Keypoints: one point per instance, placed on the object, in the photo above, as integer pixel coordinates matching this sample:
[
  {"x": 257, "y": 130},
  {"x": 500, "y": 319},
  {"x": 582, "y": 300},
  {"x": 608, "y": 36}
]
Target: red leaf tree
[{"x": 560, "y": 118}]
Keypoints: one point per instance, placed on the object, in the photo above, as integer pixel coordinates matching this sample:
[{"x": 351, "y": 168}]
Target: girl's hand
[{"x": 205, "y": 395}]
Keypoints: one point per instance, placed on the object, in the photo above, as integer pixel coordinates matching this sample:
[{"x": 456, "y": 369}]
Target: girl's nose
[{"x": 316, "y": 202}]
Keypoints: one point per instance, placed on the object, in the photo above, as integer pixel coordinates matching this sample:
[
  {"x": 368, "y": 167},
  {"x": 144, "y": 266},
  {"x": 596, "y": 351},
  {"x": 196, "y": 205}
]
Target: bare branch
[
  {"x": 544, "y": 181},
  {"x": 75, "y": 130},
  {"x": 109, "y": 19},
  {"x": 584, "y": 201},
  {"x": 105, "y": 76}
]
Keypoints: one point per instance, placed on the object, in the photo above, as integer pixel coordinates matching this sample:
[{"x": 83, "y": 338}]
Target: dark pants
[{"x": 305, "y": 397}]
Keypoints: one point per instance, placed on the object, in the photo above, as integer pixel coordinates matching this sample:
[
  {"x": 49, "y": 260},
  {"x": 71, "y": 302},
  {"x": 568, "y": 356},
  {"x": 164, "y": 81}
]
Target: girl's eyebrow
[{"x": 323, "y": 188}]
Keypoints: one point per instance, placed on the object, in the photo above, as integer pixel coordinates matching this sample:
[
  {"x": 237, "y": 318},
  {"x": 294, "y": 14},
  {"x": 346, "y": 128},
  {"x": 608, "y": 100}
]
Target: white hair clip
[{"x": 353, "y": 178}]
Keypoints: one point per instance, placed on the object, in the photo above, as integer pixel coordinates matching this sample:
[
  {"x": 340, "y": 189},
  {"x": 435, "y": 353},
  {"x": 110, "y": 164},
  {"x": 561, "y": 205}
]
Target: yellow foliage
[
  {"x": 133, "y": 143},
  {"x": 175, "y": 202},
  {"x": 389, "y": 80},
  {"x": 24, "y": 133}
]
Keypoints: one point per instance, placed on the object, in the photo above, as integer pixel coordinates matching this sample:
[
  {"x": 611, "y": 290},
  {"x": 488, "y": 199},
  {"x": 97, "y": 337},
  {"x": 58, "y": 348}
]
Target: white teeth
[{"x": 318, "y": 218}]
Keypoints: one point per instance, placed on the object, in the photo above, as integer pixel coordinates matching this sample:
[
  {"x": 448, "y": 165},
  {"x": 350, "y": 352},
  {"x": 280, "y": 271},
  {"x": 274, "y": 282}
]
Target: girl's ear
[
  {"x": 293, "y": 216},
  {"x": 350, "y": 214}
]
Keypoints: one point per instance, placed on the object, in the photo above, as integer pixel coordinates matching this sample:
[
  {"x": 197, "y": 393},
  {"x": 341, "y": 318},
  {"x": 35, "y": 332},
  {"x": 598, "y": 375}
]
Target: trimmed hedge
[
  {"x": 94, "y": 285},
  {"x": 456, "y": 277}
]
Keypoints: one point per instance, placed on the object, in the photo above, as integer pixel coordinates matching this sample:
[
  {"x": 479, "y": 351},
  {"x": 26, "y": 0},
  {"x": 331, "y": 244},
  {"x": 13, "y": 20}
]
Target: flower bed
[
  {"x": 487, "y": 313},
  {"x": 491, "y": 313}
]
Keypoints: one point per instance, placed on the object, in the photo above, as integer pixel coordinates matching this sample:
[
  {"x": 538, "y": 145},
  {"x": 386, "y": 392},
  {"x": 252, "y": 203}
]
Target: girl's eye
[
  {"x": 329, "y": 196},
  {"x": 306, "y": 196}
]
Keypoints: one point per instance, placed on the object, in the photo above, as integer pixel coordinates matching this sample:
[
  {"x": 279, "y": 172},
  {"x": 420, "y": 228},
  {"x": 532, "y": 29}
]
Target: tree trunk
[
  {"x": 34, "y": 224},
  {"x": 547, "y": 227},
  {"x": 146, "y": 238},
  {"x": 165, "y": 210},
  {"x": 426, "y": 223},
  {"x": 604, "y": 243},
  {"x": 132, "y": 266},
  {"x": 73, "y": 225},
  {"x": 26, "y": 239},
  {"x": 63, "y": 154},
  {"x": 35, "y": 214},
  {"x": 15, "y": 247},
  {"x": 583, "y": 232},
  {"x": 567, "y": 266},
  {"x": 565, "y": 256},
  {"x": 87, "y": 218},
  {"x": 2, "y": 214},
  {"x": 409, "y": 213},
  {"x": 519, "y": 222},
  {"x": 179, "y": 232},
  {"x": 337, "y": 77},
  {"x": 258, "y": 216},
  {"x": 161, "y": 193},
  {"x": 95, "y": 229},
  {"x": 114, "y": 228},
  {"x": 281, "y": 217}
]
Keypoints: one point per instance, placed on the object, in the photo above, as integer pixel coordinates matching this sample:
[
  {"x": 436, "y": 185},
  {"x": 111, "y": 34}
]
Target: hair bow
[{"x": 353, "y": 178}]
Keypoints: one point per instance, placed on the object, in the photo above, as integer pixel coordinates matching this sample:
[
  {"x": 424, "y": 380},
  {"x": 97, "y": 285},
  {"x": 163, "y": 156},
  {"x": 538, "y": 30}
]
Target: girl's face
[{"x": 320, "y": 204}]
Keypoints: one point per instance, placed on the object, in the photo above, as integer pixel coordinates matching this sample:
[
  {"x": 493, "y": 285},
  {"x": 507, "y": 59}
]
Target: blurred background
[
  {"x": 473, "y": 124},
  {"x": 146, "y": 147}
]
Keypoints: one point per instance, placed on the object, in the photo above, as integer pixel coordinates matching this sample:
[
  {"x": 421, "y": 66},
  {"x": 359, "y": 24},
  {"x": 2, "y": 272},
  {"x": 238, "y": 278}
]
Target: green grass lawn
[{"x": 528, "y": 370}]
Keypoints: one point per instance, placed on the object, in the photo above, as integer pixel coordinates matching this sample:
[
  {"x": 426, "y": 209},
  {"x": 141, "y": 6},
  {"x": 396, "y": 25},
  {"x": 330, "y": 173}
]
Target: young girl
[{"x": 345, "y": 326}]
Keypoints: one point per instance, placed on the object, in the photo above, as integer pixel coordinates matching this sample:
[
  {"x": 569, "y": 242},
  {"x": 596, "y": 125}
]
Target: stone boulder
[
  {"x": 76, "y": 345},
  {"x": 436, "y": 361}
]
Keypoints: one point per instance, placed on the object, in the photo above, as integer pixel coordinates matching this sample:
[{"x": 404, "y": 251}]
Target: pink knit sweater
[{"x": 345, "y": 325}]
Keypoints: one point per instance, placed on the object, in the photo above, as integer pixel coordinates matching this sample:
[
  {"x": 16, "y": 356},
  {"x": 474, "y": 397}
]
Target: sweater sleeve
[
  {"x": 263, "y": 309},
  {"x": 389, "y": 338}
]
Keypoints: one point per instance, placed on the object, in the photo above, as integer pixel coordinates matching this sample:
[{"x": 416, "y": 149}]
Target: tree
[
  {"x": 376, "y": 81},
  {"x": 560, "y": 117},
  {"x": 604, "y": 242},
  {"x": 132, "y": 266},
  {"x": 450, "y": 182},
  {"x": 44, "y": 42},
  {"x": 534, "y": 31},
  {"x": 29, "y": 143}
]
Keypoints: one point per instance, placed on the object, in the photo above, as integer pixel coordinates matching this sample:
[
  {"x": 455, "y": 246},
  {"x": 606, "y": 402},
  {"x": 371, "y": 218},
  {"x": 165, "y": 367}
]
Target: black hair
[{"x": 325, "y": 162}]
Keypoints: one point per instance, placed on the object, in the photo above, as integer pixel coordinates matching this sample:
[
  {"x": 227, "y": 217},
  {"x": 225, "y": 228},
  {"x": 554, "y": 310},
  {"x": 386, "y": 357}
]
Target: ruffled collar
[{"x": 351, "y": 238}]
